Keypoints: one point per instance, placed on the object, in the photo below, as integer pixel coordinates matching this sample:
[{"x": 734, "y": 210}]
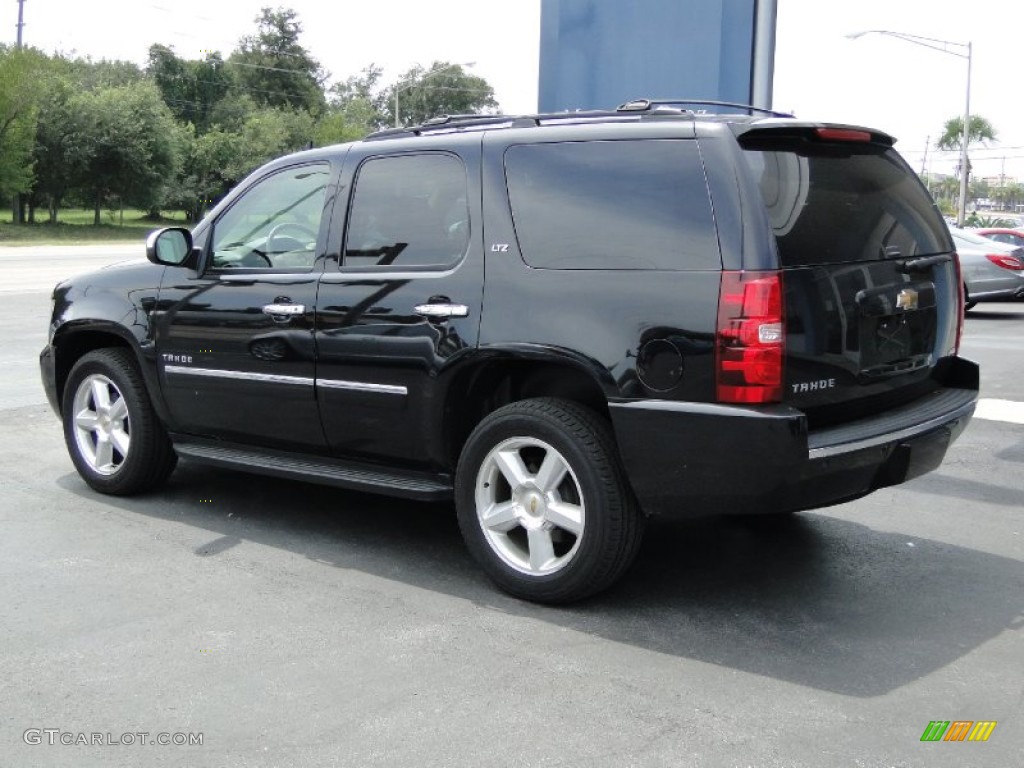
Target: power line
[
  {"x": 172, "y": 12},
  {"x": 997, "y": 151},
  {"x": 231, "y": 85}
]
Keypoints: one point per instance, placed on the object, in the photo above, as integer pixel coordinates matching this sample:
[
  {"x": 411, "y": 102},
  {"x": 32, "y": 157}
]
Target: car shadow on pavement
[{"x": 810, "y": 599}]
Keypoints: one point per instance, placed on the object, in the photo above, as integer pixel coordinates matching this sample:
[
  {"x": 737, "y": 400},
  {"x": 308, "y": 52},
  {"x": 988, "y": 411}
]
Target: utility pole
[
  {"x": 21, "y": 19},
  {"x": 17, "y": 211}
]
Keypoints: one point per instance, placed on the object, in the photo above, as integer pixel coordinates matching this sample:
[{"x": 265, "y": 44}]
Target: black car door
[
  {"x": 400, "y": 308},
  {"x": 235, "y": 343}
]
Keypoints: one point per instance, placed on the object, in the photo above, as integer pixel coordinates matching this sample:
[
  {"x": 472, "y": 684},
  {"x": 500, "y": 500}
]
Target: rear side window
[
  {"x": 408, "y": 211},
  {"x": 840, "y": 209},
  {"x": 612, "y": 205}
]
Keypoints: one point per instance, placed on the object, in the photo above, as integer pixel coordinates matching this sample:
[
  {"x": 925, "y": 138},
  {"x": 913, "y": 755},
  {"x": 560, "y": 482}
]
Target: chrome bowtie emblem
[{"x": 906, "y": 299}]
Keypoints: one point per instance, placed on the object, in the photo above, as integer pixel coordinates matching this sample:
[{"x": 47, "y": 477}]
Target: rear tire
[
  {"x": 543, "y": 503},
  {"x": 115, "y": 439}
]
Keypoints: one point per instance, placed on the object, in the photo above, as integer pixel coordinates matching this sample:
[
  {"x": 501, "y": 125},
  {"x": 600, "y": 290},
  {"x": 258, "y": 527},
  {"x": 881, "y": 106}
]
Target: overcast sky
[{"x": 886, "y": 83}]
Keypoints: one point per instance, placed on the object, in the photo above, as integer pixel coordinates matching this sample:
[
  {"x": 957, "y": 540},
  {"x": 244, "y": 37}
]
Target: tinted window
[
  {"x": 839, "y": 209},
  {"x": 274, "y": 225},
  {"x": 408, "y": 210},
  {"x": 612, "y": 205}
]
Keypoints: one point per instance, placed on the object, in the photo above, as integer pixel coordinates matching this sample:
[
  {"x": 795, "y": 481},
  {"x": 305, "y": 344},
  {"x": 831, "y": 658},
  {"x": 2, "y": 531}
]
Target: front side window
[
  {"x": 274, "y": 225},
  {"x": 408, "y": 211}
]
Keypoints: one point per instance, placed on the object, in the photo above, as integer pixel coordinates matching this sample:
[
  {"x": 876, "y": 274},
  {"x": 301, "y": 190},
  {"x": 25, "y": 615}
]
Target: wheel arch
[
  {"x": 499, "y": 376},
  {"x": 75, "y": 340}
]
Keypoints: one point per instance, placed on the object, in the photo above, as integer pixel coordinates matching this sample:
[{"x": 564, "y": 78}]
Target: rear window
[
  {"x": 612, "y": 205},
  {"x": 839, "y": 209}
]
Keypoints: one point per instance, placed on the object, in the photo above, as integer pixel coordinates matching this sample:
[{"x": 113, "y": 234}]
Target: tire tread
[
  {"x": 152, "y": 457},
  {"x": 625, "y": 523}
]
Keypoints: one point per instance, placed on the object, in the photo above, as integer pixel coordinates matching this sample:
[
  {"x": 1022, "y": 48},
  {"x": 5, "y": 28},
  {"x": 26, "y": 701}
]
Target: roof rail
[
  {"x": 452, "y": 123},
  {"x": 650, "y": 105},
  {"x": 446, "y": 123},
  {"x": 631, "y": 110}
]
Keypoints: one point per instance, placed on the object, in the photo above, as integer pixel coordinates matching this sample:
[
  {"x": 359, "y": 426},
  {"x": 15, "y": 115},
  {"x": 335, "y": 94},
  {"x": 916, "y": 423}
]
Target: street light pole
[
  {"x": 964, "y": 167},
  {"x": 943, "y": 46}
]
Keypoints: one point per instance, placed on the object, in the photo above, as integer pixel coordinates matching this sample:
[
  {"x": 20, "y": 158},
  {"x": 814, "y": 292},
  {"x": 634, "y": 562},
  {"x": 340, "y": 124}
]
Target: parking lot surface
[{"x": 291, "y": 625}]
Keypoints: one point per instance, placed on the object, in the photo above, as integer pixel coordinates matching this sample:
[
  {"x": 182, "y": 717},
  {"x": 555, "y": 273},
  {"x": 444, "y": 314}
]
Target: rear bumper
[{"x": 693, "y": 459}]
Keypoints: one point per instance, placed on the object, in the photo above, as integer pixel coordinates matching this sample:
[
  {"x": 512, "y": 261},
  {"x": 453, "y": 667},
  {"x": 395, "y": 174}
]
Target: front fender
[{"x": 98, "y": 311}]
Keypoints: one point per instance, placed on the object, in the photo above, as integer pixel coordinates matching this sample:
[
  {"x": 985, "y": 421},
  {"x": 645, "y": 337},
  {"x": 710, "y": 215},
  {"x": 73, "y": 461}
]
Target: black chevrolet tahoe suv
[{"x": 566, "y": 323}]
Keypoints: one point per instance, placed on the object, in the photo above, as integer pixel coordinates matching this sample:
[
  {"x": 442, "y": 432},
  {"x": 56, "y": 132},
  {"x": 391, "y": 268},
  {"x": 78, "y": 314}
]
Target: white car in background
[{"x": 991, "y": 271}]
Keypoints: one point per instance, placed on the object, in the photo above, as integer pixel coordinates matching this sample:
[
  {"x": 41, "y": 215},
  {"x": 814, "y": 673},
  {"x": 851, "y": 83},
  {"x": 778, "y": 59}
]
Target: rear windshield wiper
[{"x": 923, "y": 264}]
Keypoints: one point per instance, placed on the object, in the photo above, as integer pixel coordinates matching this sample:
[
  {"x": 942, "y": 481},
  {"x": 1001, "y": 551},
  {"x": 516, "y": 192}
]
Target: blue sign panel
[{"x": 597, "y": 54}]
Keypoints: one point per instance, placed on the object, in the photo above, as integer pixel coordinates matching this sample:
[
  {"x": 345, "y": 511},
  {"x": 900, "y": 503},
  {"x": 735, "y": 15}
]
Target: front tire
[
  {"x": 113, "y": 435},
  {"x": 968, "y": 304},
  {"x": 543, "y": 503}
]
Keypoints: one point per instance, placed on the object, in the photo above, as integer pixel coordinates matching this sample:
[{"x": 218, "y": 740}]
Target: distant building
[
  {"x": 1002, "y": 180},
  {"x": 597, "y": 54}
]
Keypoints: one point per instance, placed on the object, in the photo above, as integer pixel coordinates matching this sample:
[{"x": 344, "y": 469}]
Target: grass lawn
[{"x": 75, "y": 227}]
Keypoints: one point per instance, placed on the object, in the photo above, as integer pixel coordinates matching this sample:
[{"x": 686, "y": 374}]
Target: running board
[{"x": 407, "y": 484}]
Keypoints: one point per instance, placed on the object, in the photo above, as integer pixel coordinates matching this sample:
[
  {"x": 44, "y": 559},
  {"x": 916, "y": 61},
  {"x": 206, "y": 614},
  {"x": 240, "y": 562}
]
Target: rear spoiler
[{"x": 787, "y": 135}]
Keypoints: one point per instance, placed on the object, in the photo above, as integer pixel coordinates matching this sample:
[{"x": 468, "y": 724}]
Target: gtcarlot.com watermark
[{"x": 56, "y": 736}]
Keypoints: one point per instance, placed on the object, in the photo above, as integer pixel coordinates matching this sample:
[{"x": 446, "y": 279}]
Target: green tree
[
  {"x": 201, "y": 179},
  {"x": 349, "y": 123},
  {"x": 980, "y": 131},
  {"x": 1009, "y": 196},
  {"x": 192, "y": 89},
  {"x": 441, "y": 89},
  {"x": 20, "y": 70},
  {"x": 105, "y": 73},
  {"x": 275, "y": 69},
  {"x": 62, "y": 149},
  {"x": 355, "y": 107},
  {"x": 270, "y": 133},
  {"x": 220, "y": 158},
  {"x": 980, "y": 189},
  {"x": 133, "y": 145}
]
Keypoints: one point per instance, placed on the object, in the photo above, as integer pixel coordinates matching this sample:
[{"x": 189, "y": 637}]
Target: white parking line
[{"x": 1000, "y": 410}]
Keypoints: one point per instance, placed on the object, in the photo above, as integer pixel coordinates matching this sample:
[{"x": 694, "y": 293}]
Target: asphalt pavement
[{"x": 285, "y": 624}]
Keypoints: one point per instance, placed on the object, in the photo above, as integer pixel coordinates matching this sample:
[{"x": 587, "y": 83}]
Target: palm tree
[
  {"x": 947, "y": 189},
  {"x": 1003, "y": 195},
  {"x": 981, "y": 130}
]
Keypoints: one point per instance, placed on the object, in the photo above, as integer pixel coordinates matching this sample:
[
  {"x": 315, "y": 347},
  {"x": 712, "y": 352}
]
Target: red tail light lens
[
  {"x": 842, "y": 134},
  {"x": 750, "y": 341},
  {"x": 1005, "y": 261}
]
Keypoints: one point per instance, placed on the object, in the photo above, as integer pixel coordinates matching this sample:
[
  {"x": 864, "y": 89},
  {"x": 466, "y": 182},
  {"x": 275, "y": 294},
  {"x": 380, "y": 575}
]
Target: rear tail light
[
  {"x": 1005, "y": 261},
  {"x": 750, "y": 340},
  {"x": 960, "y": 302}
]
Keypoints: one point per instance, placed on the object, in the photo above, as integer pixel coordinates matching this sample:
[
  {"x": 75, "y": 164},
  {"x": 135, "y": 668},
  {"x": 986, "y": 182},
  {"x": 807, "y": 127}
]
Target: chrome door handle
[
  {"x": 441, "y": 310},
  {"x": 283, "y": 310}
]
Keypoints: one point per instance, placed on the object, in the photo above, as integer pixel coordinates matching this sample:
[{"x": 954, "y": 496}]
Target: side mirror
[{"x": 171, "y": 247}]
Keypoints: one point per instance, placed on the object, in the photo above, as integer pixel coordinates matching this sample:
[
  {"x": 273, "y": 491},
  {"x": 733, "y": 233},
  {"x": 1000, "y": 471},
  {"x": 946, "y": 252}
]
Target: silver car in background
[{"x": 991, "y": 271}]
